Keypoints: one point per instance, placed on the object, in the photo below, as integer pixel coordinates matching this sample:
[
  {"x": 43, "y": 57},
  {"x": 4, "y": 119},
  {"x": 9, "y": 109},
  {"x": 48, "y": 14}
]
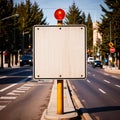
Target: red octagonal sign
[{"x": 112, "y": 50}]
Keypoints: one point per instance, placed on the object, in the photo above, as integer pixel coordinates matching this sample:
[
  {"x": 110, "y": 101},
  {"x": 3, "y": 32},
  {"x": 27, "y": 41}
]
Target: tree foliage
[
  {"x": 6, "y": 26},
  {"x": 73, "y": 16},
  {"x": 110, "y": 25},
  {"x": 89, "y": 32},
  {"x": 29, "y": 15},
  {"x": 14, "y": 28}
]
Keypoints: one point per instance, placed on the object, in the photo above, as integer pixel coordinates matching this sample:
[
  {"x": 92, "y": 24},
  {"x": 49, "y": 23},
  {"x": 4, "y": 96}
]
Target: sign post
[{"x": 59, "y": 15}]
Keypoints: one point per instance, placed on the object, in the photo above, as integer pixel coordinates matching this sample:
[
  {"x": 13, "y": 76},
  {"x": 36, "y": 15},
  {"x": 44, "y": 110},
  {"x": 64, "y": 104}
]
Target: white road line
[
  {"x": 93, "y": 75},
  {"x": 105, "y": 74},
  {"x": 117, "y": 86},
  {"x": 23, "y": 80},
  {"x": 102, "y": 91},
  {"x": 23, "y": 88},
  {"x": 106, "y": 81},
  {"x": 1, "y": 77},
  {"x": 18, "y": 91},
  {"x": 2, "y": 107},
  {"x": 2, "y": 90},
  {"x": 115, "y": 76},
  {"x": 12, "y": 93},
  {"x": 7, "y": 97},
  {"x": 29, "y": 84},
  {"x": 88, "y": 81}
]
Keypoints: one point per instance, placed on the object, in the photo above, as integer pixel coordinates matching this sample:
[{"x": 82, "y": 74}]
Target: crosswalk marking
[
  {"x": 2, "y": 107},
  {"x": 12, "y": 93},
  {"x": 18, "y": 91},
  {"x": 7, "y": 97},
  {"x": 29, "y": 84},
  {"x": 2, "y": 90},
  {"x": 10, "y": 96},
  {"x": 23, "y": 88}
]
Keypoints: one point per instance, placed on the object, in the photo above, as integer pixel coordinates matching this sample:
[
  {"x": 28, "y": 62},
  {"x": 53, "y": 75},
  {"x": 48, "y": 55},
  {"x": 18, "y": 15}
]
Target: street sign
[
  {"x": 112, "y": 50},
  {"x": 59, "y": 52},
  {"x": 111, "y": 44}
]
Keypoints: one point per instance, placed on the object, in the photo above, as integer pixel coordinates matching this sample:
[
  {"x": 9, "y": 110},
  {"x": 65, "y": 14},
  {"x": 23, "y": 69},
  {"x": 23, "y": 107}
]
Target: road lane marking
[
  {"x": 1, "y": 77},
  {"x": 29, "y": 84},
  {"x": 106, "y": 81},
  {"x": 2, "y": 107},
  {"x": 106, "y": 74},
  {"x": 18, "y": 91},
  {"x": 23, "y": 80},
  {"x": 93, "y": 75},
  {"x": 102, "y": 91},
  {"x": 23, "y": 88},
  {"x": 12, "y": 93},
  {"x": 2, "y": 90},
  {"x": 115, "y": 76},
  {"x": 88, "y": 81},
  {"x": 117, "y": 86},
  {"x": 7, "y": 97}
]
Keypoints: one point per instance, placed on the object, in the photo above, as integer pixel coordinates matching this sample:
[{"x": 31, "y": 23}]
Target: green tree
[
  {"x": 89, "y": 34},
  {"x": 83, "y": 18},
  {"x": 29, "y": 15},
  {"x": 110, "y": 26},
  {"x": 73, "y": 16},
  {"x": 6, "y": 26}
]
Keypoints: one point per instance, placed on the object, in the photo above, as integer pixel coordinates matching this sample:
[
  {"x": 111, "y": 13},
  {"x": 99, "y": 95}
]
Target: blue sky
[{"x": 87, "y": 6}]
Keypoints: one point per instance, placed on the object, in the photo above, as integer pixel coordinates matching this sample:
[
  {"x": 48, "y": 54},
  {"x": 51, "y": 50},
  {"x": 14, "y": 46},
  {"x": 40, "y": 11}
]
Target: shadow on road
[
  {"x": 98, "y": 109},
  {"x": 15, "y": 75}
]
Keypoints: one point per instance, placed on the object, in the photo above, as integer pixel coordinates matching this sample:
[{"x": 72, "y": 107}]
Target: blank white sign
[{"x": 59, "y": 52}]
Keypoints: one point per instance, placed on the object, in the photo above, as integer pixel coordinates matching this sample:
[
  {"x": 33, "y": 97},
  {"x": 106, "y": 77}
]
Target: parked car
[
  {"x": 26, "y": 60},
  {"x": 90, "y": 60},
  {"x": 97, "y": 63}
]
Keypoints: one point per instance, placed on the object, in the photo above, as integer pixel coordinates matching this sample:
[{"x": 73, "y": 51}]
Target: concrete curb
[
  {"x": 69, "y": 111},
  {"x": 78, "y": 104}
]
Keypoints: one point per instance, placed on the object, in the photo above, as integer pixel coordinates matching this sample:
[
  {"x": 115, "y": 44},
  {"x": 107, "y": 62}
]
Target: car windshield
[
  {"x": 26, "y": 57},
  {"x": 98, "y": 61}
]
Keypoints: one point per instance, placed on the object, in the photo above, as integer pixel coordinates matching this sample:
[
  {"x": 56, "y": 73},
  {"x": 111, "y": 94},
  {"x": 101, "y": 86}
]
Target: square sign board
[{"x": 59, "y": 52}]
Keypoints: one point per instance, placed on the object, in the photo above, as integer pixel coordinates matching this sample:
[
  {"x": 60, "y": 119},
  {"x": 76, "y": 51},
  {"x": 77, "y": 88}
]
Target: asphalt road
[
  {"x": 99, "y": 93},
  {"x": 21, "y": 97}
]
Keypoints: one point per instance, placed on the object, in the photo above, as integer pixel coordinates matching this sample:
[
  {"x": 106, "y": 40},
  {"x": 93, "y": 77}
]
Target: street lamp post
[
  {"x": 15, "y": 15},
  {"x": 6, "y": 18}
]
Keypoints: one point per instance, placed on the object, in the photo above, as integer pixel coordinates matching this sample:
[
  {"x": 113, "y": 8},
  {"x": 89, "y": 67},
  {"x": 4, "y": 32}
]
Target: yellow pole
[{"x": 60, "y": 100}]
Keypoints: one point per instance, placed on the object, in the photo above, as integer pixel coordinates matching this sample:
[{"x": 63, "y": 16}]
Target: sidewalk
[
  {"x": 111, "y": 69},
  {"x": 51, "y": 112}
]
